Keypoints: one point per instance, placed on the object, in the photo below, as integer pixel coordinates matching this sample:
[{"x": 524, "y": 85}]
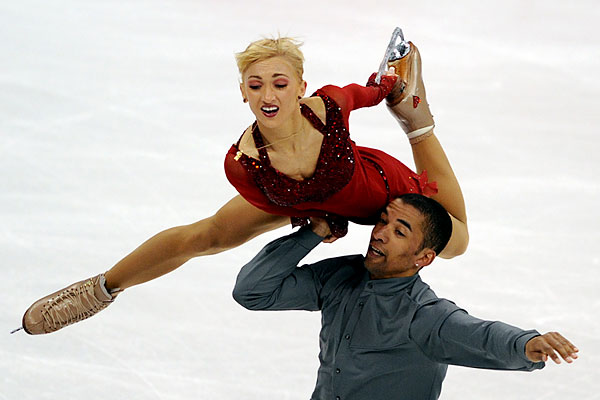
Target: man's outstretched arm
[{"x": 448, "y": 334}]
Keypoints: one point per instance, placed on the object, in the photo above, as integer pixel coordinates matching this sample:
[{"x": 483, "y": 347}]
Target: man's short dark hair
[{"x": 437, "y": 225}]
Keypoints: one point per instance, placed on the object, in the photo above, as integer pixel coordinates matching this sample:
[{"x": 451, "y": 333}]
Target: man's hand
[
  {"x": 321, "y": 228},
  {"x": 541, "y": 347}
]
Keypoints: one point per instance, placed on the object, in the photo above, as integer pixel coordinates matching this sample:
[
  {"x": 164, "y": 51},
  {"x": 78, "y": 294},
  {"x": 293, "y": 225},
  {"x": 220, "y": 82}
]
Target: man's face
[{"x": 394, "y": 242}]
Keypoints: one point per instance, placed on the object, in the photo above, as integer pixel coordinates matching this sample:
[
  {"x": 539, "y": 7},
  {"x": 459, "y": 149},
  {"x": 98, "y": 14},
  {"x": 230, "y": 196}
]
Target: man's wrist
[
  {"x": 522, "y": 343},
  {"x": 307, "y": 238}
]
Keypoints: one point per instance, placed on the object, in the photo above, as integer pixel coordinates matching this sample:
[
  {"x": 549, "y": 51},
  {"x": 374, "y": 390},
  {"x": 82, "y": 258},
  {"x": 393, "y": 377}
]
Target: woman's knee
[
  {"x": 198, "y": 239},
  {"x": 211, "y": 236},
  {"x": 234, "y": 224}
]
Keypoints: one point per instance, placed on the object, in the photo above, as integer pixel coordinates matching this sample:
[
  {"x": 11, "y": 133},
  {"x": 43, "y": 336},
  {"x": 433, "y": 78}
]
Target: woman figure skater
[{"x": 295, "y": 161}]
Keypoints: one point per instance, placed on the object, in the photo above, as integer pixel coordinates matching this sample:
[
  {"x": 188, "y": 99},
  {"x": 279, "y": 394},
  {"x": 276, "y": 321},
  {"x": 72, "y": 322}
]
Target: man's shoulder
[
  {"x": 340, "y": 270},
  {"x": 422, "y": 294},
  {"x": 352, "y": 259},
  {"x": 425, "y": 299},
  {"x": 349, "y": 260},
  {"x": 344, "y": 265}
]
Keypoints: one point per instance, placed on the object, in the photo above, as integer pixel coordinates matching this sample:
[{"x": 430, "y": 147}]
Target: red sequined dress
[{"x": 350, "y": 182}]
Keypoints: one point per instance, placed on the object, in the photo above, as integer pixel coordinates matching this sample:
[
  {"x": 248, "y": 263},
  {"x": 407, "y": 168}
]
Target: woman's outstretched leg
[
  {"x": 234, "y": 224},
  {"x": 408, "y": 104}
]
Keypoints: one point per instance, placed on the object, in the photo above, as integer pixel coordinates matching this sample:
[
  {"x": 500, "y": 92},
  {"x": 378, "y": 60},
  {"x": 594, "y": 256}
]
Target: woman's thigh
[{"x": 239, "y": 221}]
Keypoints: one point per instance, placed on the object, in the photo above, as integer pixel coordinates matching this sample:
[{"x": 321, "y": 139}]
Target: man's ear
[{"x": 425, "y": 257}]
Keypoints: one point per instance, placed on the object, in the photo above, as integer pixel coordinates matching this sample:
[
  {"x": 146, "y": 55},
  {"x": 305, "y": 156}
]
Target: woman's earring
[{"x": 245, "y": 100}]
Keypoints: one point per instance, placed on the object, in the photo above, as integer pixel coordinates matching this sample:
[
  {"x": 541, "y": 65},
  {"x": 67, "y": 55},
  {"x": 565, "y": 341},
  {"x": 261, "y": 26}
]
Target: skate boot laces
[
  {"x": 67, "y": 306},
  {"x": 72, "y": 305}
]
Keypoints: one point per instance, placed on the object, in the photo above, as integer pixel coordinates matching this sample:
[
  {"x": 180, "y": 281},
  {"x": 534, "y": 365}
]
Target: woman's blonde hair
[{"x": 264, "y": 49}]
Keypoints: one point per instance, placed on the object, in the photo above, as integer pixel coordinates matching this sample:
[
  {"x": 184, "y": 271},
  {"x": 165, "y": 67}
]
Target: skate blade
[
  {"x": 16, "y": 330},
  {"x": 394, "y": 51}
]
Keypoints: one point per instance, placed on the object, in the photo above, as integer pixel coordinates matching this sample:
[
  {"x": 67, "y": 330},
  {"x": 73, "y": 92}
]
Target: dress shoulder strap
[
  {"x": 313, "y": 118},
  {"x": 263, "y": 155}
]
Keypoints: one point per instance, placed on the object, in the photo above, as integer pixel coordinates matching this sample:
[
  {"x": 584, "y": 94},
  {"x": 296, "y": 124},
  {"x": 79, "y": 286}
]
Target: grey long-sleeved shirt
[{"x": 380, "y": 339}]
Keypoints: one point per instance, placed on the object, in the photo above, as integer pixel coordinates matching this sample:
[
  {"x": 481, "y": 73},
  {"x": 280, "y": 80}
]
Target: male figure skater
[{"x": 385, "y": 334}]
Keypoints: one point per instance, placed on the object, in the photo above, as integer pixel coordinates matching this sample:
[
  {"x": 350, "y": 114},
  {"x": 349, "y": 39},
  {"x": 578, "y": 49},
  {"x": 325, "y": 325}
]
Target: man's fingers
[
  {"x": 330, "y": 239},
  {"x": 320, "y": 227},
  {"x": 569, "y": 347},
  {"x": 537, "y": 356},
  {"x": 565, "y": 348},
  {"x": 548, "y": 345}
]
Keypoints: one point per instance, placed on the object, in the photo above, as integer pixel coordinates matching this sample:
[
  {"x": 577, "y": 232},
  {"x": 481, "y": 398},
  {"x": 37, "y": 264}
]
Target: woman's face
[{"x": 272, "y": 88}]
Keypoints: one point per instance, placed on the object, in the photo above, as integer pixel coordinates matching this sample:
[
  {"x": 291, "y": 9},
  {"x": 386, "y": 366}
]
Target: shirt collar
[{"x": 390, "y": 285}]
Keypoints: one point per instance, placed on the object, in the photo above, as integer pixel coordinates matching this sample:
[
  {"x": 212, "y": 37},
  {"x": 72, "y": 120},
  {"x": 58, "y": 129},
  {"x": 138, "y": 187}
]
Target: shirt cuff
[
  {"x": 306, "y": 238},
  {"x": 520, "y": 345}
]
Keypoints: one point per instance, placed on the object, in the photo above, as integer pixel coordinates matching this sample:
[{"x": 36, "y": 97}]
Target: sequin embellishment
[
  {"x": 385, "y": 181},
  {"x": 334, "y": 169}
]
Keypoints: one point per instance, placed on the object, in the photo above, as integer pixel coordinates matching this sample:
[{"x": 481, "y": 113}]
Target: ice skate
[
  {"x": 67, "y": 306},
  {"x": 396, "y": 49},
  {"x": 407, "y": 102}
]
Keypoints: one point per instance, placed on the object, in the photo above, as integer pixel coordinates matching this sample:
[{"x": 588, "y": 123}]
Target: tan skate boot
[
  {"x": 67, "y": 306},
  {"x": 407, "y": 101}
]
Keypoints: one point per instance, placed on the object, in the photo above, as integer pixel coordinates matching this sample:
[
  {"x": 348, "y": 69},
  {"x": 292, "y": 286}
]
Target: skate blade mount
[{"x": 395, "y": 50}]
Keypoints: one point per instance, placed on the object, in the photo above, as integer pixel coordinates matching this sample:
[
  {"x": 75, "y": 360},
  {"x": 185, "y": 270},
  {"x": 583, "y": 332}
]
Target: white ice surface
[{"x": 114, "y": 120}]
